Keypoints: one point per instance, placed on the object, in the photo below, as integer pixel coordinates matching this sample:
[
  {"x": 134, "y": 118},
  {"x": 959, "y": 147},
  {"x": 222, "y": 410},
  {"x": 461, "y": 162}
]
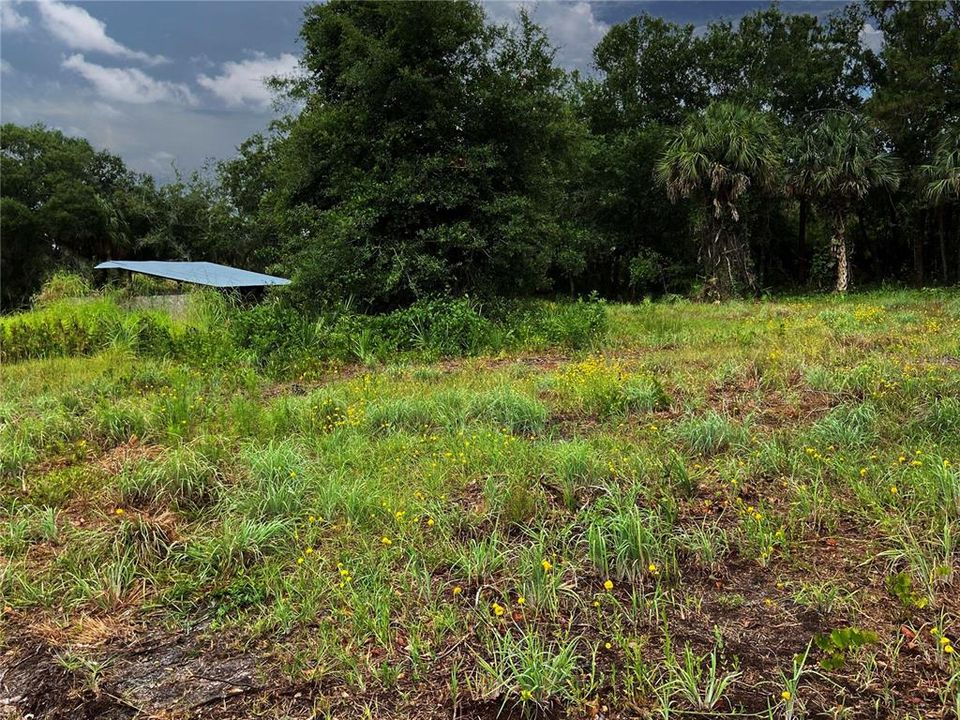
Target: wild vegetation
[
  {"x": 448, "y": 472},
  {"x": 651, "y": 510},
  {"x": 425, "y": 151}
]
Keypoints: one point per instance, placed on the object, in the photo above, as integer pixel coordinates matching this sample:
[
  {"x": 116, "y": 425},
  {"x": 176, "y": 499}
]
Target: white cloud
[
  {"x": 129, "y": 85},
  {"x": 79, "y": 30},
  {"x": 10, "y": 19},
  {"x": 871, "y": 38},
  {"x": 571, "y": 27},
  {"x": 5, "y": 68},
  {"x": 243, "y": 82}
]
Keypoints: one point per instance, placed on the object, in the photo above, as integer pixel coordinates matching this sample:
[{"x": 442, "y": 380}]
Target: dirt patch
[
  {"x": 158, "y": 674},
  {"x": 115, "y": 459}
]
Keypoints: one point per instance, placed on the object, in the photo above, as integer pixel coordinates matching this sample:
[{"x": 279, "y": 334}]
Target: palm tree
[
  {"x": 836, "y": 163},
  {"x": 943, "y": 186},
  {"x": 717, "y": 157}
]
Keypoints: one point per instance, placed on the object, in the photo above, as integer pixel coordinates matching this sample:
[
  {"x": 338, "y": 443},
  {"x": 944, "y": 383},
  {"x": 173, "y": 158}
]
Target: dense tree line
[{"x": 432, "y": 152}]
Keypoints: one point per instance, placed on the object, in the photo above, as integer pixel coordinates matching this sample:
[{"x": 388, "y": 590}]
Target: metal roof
[{"x": 201, "y": 273}]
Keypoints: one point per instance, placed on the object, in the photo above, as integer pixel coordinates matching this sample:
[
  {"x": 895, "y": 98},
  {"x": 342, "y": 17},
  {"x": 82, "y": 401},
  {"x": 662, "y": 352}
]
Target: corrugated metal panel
[{"x": 201, "y": 273}]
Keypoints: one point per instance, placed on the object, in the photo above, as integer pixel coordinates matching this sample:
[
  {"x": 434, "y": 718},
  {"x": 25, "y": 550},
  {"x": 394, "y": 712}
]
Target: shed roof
[{"x": 201, "y": 273}]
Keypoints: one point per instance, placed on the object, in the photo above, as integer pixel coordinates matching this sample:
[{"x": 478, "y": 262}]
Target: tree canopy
[{"x": 428, "y": 151}]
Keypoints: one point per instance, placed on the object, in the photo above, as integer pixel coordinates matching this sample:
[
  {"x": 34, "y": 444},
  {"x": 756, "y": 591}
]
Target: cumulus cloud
[
  {"x": 128, "y": 85},
  {"x": 571, "y": 27},
  {"x": 871, "y": 38},
  {"x": 79, "y": 30},
  {"x": 10, "y": 19},
  {"x": 244, "y": 82}
]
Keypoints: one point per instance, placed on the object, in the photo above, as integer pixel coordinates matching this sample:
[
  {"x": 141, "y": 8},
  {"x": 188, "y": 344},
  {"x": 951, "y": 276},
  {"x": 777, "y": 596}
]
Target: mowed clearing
[{"x": 749, "y": 509}]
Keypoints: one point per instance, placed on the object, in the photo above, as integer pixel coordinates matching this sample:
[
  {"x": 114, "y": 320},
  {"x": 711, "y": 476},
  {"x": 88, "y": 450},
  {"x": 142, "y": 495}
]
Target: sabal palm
[
  {"x": 942, "y": 189},
  {"x": 943, "y": 174},
  {"x": 717, "y": 157},
  {"x": 837, "y": 162}
]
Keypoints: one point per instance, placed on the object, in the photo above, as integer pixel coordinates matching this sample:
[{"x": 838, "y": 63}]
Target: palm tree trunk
[
  {"x": 727, "y": 264},
  {"x": 838, "y": 244}
]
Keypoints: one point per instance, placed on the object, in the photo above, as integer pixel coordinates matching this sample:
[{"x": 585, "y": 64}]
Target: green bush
[
  {"x": 62, "y": 286},
  {"x": 60, "y": 330}
]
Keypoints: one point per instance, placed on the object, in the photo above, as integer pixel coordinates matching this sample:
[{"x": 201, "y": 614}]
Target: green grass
[{"x": 659, "y": 519}]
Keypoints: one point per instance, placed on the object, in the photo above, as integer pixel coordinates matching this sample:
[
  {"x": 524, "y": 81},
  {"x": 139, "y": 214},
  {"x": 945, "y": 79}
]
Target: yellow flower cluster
[
  {"x": 868, "y": 314},
  {"x": 943, "y": 641}
]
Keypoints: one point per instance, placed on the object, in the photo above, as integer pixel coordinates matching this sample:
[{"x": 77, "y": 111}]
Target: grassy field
[{"x": 746, "y": 510}]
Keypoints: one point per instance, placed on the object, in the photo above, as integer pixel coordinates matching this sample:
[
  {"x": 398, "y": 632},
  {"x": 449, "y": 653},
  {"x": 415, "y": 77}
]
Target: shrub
[
  {"x": 59, "y": 330},
  {"x": 62, "y": 286},
  {"x": 437, "y": 328}
]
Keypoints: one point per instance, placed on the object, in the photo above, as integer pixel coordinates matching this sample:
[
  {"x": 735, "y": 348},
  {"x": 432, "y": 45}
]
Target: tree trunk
[
  {"x": 838, "y": 244},
  {"x": 726, "y": 263}
]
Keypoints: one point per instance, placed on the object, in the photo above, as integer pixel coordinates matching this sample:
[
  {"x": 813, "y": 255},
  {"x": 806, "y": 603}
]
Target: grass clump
[{"x": 712, "y": 433}]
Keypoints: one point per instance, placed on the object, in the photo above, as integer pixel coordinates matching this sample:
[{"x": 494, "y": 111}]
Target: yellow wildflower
[
  {"x": 608, "y": 585},
  {"x": 498, "y": 609}
]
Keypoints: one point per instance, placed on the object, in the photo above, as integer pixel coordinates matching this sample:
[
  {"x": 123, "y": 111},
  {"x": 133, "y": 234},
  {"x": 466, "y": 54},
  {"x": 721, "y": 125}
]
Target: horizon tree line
[{"x": 435, "y": 153}]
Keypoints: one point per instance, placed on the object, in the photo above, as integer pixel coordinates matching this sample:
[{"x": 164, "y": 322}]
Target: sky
[{"x": 178, "y": 84}]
